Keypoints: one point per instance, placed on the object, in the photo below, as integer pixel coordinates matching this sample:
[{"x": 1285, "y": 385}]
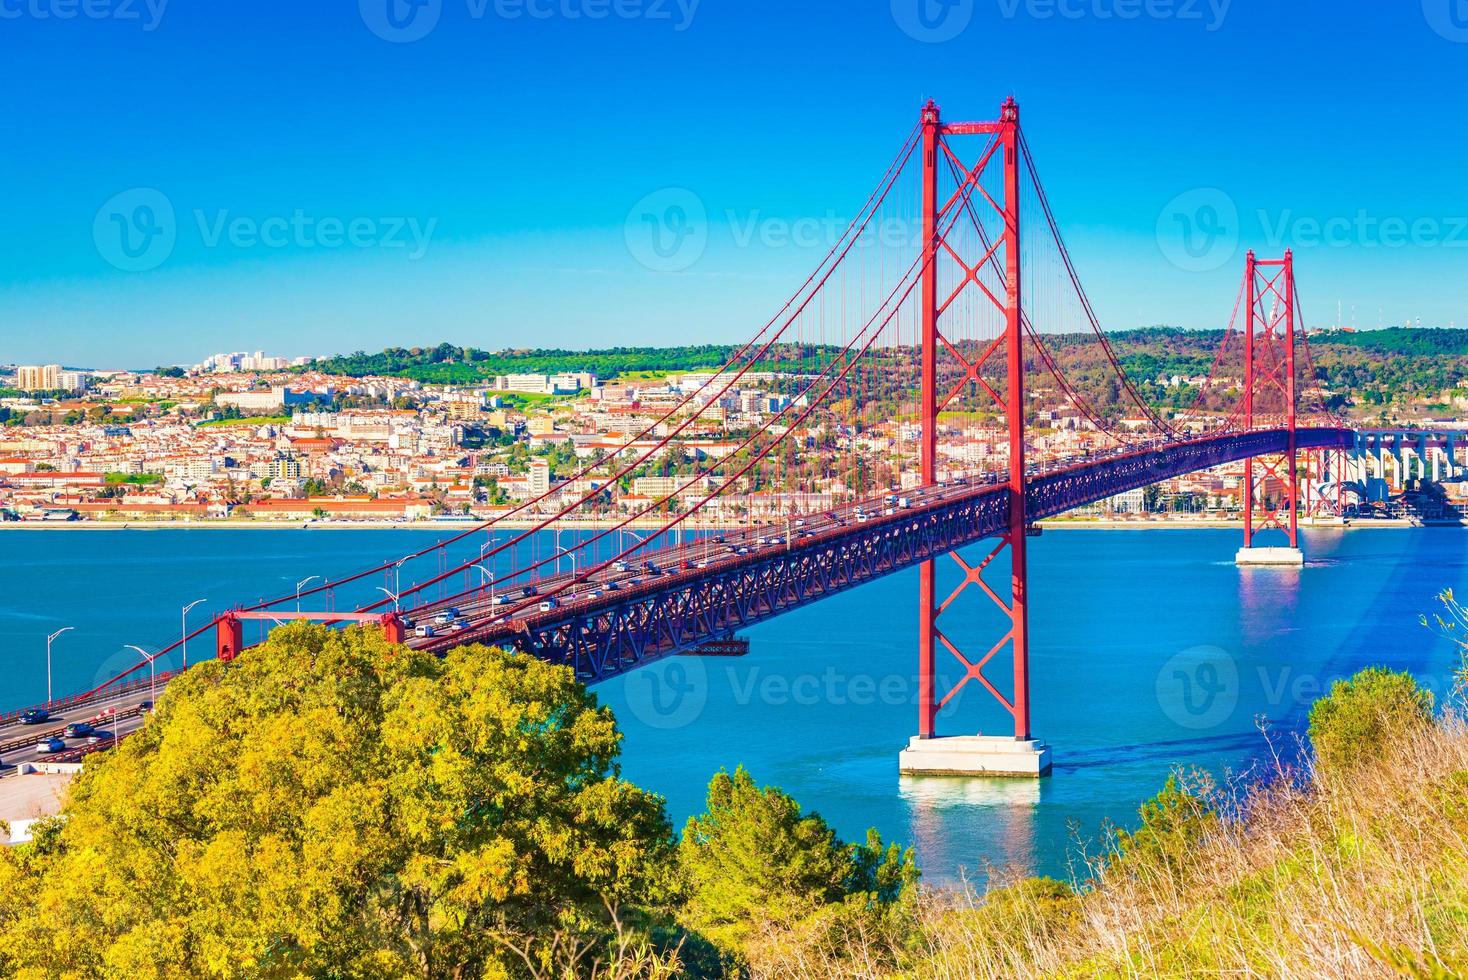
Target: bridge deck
[{"x": 676, "y": 598}]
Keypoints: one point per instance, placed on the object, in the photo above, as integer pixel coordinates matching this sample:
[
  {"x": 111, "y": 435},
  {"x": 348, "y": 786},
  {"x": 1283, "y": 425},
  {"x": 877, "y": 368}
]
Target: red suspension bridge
[{"x": 908, "y": 377}]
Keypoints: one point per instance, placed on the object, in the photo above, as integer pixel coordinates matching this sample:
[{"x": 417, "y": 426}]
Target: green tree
[
  {"x": 754, "y": 857},
  {"x": 1361, "y": 717},
  {"x": 331, "y": 805},
  {"x": 1152, "y": 498}
]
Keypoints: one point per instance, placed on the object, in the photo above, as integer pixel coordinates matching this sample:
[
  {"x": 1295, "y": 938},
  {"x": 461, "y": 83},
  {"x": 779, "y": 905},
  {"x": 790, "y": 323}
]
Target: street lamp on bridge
[
  {"x": 391, "y": 595},
  {"x": 301, "y": 584},
  {"x": 493, "y": 562},
  {"x": 397, "y": 584},
  {"x": 49, "y": 641},
  {"x": 640, "y": 539},
  {"x": 184, "y": 628},
  {"x": 152, "y": 672}
]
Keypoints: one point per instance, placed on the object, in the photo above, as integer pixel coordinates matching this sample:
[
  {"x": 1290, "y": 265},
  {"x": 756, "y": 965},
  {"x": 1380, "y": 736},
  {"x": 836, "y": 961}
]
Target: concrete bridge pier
[{"x": 1278, "y": 557}]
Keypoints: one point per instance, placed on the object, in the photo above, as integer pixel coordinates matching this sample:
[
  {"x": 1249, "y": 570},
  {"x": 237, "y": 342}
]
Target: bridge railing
[{"x": 86, "y": 700}]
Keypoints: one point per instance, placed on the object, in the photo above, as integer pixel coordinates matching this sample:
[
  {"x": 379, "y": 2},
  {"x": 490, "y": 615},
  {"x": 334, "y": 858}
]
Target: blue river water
[{"x": 1151, "y": 651}]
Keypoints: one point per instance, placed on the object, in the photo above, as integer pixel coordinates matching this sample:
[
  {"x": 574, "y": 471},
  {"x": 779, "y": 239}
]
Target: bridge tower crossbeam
[{"x": 229, "y": 629}]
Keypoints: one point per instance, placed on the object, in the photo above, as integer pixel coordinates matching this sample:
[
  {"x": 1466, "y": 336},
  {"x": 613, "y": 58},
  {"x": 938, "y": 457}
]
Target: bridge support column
[
  {"x": 926, "y": 753},
  {"x": 1269, "y": 368},
  {"x": 392, "y": 628},
  {"x": 229, "y": 637}
]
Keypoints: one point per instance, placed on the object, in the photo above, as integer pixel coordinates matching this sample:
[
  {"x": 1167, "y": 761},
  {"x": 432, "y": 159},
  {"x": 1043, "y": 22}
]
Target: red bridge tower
[
  {"x": 995, "y": 273},
  {"x": 1271, "y": 493}
]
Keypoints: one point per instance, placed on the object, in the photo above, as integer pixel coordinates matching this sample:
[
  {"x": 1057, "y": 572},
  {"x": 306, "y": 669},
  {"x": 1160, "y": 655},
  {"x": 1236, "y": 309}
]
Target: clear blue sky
[{"x": 521, "y": 142}]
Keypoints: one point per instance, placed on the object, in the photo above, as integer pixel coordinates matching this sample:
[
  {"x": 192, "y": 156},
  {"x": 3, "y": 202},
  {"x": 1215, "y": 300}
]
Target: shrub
[
  {"x": 1173, "y": 822},
  {"x": 1361, "y": 717}
]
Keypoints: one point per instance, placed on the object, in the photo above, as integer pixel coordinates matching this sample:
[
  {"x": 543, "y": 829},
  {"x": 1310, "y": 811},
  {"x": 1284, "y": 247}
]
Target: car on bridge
[
  {"x": 35, "y": 716},
  {"x": 77, "y": 729},
  {"x": 50, "y": 746}
]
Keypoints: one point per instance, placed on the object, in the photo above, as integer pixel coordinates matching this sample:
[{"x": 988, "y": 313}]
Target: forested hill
[
  {"x": 1371, "y": 367},
  {"x": 1399, "y": 340},
  {"x": 447, "y": 364}
]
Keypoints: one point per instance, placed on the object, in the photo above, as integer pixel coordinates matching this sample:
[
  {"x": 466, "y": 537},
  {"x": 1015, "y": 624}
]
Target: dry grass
[{"x": 1319, "y": 875}]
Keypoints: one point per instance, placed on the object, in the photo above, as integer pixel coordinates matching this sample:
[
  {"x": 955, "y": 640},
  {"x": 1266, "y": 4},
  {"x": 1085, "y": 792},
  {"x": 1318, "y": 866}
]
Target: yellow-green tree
[{"x": 330, "y": 805}]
